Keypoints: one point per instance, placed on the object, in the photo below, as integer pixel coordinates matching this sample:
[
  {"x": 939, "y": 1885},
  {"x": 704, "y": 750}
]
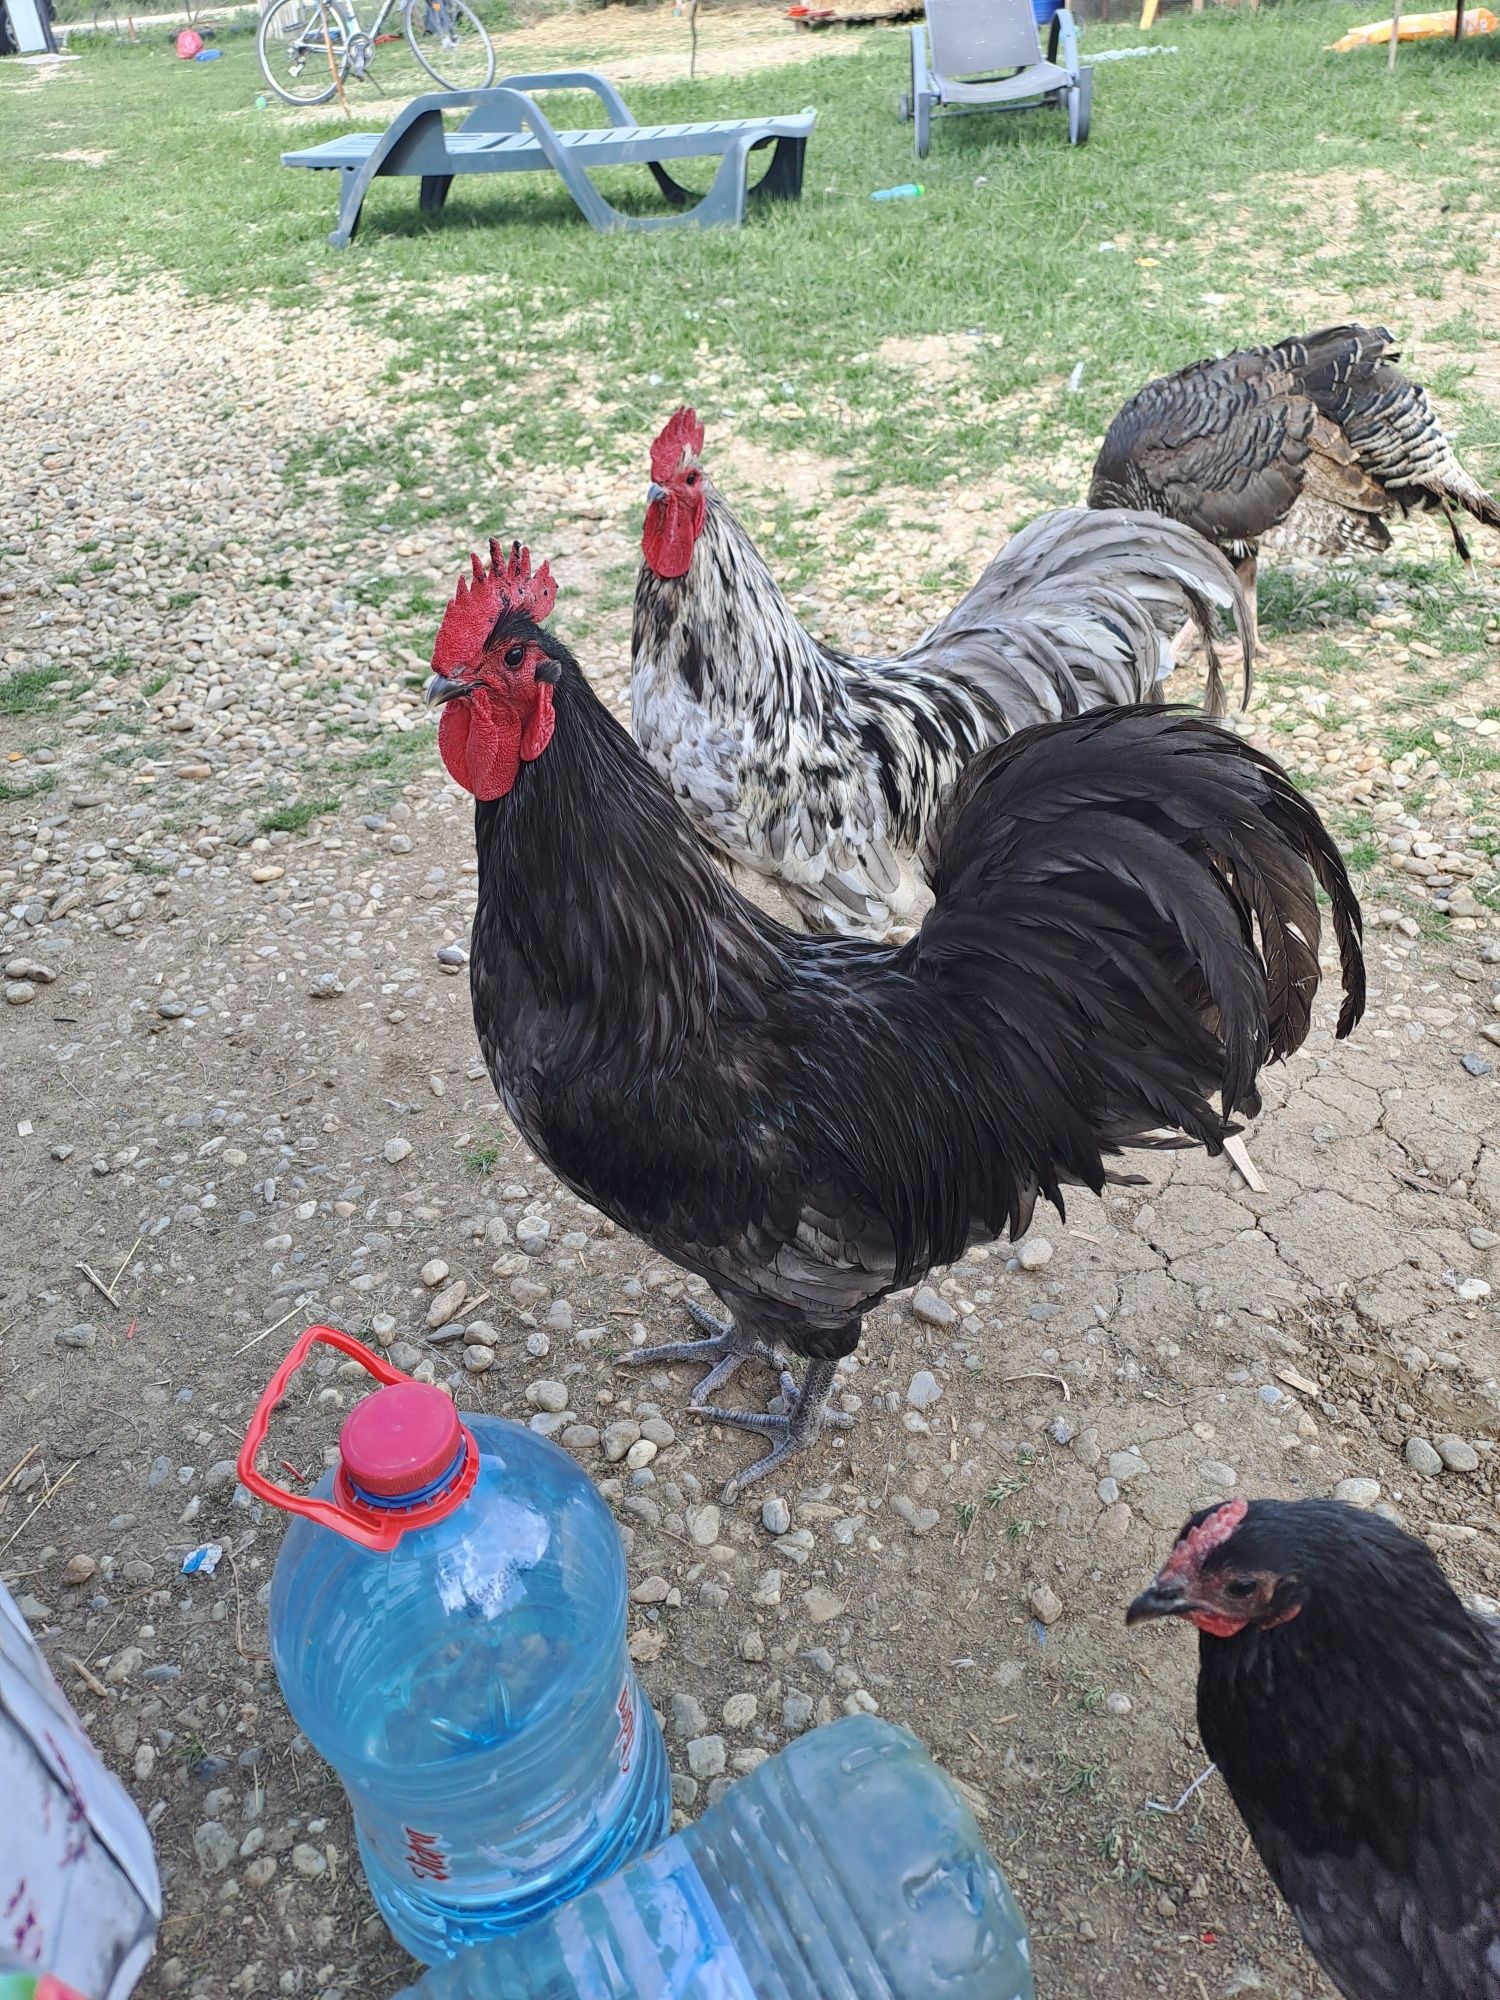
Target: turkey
[{"x": 1301, "y": 449}]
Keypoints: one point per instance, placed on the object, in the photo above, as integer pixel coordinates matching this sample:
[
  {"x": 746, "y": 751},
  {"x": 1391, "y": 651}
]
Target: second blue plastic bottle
[{"x": 448, "y": 1628}]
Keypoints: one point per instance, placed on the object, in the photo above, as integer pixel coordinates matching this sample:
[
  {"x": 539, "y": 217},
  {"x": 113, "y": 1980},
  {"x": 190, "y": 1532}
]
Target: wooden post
[{"x": 1390, "y": 61}]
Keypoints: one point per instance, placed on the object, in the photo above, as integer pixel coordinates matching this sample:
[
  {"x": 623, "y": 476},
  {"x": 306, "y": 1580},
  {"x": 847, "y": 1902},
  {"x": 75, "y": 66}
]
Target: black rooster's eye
[
  {"x": 1240, "y": 1587},
  {"x": 514, "y": 655}
]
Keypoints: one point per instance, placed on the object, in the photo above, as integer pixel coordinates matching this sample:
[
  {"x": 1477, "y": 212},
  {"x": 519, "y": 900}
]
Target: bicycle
[{"x": 309, "y": 49}]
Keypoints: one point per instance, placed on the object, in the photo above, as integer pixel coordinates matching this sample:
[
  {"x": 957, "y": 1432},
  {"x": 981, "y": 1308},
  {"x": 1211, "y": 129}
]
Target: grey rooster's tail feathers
[
  {"x": 1128, "y": 900},
  {"x": 1117, "y": 582}
]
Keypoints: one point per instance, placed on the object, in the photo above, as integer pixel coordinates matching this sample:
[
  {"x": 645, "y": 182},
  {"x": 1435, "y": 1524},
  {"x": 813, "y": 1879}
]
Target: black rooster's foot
[
  {"x": 807, "y": 1416},
  {"x": 724, "y": 1345}
]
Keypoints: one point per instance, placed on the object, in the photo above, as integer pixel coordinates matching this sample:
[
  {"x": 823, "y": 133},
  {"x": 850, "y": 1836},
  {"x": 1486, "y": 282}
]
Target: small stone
[
  {"x": 382, "y": 1328},
  {"x": 1115, "y": 1521},
  {"x": 19, "y": 992},
  {"x": 706, "y": 1756},
  {"x": 1472, "y": 1290},
  {"x": 479, "y": 1333},
  {"x": 821, "y": 1606},
  {"x": 1458, "y": 1454},
  {"x": 309, "y": 1860},
  {"x": 740, "y": 1711},
  {"x": 921, "y": 1520},
  {"x": 434, "y": 1271},
  {"x": 775, "y": 1515},
  {"x": 932, "y": 1309},
  {"x": 1046, "y": 1604},
  {"x": 640, "y": 1454},
  {"x": 796, "y": 1712},
  {"x": 1214, "y": 1472},
  {"x": 395, "y": 1151},
  {"x": 547, "y": 1395},
  {"x": 1125, "y": 1466},
  {"x": 618, "y": 1437},
  {"x": 260, "y": 1871},
  {"x": 1484, "y": 1239},
  {"x": 268, "y": 871},
  {"x": 1421, "y": 1457},
  {"x": 1117, "y": 1704},
  {"x": 1357, "y": 1492},
  {"x": 767, "y": 1592},
  {"x": 326, "y": 986},
  {"x": 31, "y": 970},
  {"x": 651, "y": 1590},
  {"x": 1477, "y": 1066},
  {"x": 479, "y": 1360},
  {"x": 752, "y": 1646},
  {"x": 687, "y": 1715},
  {"x": 1034, "y": 1253},
  {"x": 924, "y": 1390},
  {"x": 703, "y": 1526},
  {"x": 82, "y": 1335},
  {"x": 214, "y": 1846},
  {"x": 448, "y": 1303},
  {"x": 78, "y": 1569}
]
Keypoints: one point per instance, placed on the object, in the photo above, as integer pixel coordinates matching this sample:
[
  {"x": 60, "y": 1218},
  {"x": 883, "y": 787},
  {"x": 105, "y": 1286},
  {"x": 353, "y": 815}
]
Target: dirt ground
[{"x": 242, "y": 1089}]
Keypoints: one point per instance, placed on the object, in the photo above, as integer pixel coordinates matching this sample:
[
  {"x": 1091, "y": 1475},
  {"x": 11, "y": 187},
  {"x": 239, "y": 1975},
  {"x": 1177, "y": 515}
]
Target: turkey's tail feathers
[
  {"x": 1099, "y": 594},
  {"x": 1127, "y": 906},
  {"x": 1350, "y": 373}
]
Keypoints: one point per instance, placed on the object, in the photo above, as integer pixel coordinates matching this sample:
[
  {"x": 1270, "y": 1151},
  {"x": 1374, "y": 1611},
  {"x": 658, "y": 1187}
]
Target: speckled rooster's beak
[{"x": 655, "y": 493}]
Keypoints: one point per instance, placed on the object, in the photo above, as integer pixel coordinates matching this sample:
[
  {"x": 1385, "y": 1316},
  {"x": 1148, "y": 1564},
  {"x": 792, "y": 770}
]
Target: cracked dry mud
[{"x": 241, "y": 1078}]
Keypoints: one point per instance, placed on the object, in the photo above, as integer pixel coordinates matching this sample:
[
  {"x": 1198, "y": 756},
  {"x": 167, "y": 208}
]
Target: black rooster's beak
[
  {"x": 655, "y": 493},
  {"x": 1165, "y": 1599},
  {"x": 440, "y": 689}
]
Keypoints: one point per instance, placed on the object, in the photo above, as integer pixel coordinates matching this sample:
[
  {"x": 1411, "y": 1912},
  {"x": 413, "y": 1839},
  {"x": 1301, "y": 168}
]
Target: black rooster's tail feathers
[{"x": 1129, "y": 899}]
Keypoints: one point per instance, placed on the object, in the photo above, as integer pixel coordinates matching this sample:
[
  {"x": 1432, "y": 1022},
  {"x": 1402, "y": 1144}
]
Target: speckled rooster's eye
[{"x": 692, "y": 479}]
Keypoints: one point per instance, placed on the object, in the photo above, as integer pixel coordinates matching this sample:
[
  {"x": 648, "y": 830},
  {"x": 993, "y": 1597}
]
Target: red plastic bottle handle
[{"x": 369, "y": 1534}]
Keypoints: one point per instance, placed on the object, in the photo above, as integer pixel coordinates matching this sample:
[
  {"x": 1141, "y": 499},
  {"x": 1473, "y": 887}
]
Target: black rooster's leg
[
  {"x": 807, "y": 1414},
  {"x": 725, "y": 1345}
]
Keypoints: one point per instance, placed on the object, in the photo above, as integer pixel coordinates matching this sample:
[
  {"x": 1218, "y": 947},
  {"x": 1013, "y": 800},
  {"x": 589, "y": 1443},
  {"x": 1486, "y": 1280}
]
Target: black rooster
[
  {"x": 810, "y": 1123},
  {"x": 1301, "y": 448},
  {"x": 1353, "y": 1707}
]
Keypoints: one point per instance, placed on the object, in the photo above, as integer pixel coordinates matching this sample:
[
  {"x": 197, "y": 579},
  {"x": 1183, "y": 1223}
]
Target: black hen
[
  {"x": 1302, "y": 447},
  {"x": 1353, "y": 1707},
  {"x": 810, "y": 1122}
]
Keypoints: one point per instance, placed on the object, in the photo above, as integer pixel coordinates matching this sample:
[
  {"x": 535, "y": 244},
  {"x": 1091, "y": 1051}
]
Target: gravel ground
[{"x": 242, "y": 1089}]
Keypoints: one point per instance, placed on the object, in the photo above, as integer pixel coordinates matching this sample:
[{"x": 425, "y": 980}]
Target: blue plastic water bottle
[
  {"x": 846, "y": 1868},
  {"x": 908, "y": 191},
  {"x": 447, "y": 1623}
]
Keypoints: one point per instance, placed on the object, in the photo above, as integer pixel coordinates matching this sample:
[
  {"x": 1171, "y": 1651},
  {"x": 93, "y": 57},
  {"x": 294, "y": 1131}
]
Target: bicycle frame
[{"x": 311, "y": 41}]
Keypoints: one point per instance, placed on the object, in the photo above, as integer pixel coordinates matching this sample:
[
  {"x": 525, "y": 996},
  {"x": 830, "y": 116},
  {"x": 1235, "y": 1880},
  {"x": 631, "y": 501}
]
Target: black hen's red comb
[
  {"x": 509, "y": 584},
  {"x": 1211, "y": 1533}
]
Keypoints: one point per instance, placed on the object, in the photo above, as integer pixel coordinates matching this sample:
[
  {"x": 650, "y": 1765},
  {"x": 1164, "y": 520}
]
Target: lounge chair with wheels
[{"x": 986, "y": 55}]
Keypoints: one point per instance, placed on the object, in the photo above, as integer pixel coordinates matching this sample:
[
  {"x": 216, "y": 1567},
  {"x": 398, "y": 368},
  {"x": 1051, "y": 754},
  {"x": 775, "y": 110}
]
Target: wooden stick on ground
[{"x": 1235, "y": 1148}]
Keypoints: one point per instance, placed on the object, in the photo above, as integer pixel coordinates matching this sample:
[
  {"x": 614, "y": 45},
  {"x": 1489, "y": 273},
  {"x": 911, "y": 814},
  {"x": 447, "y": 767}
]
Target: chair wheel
[{"x": 903, "y": 107}]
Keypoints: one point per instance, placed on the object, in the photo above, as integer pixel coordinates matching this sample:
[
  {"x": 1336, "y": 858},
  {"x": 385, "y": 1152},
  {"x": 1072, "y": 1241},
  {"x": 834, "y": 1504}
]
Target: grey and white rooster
[
  {"x": 825, "y": 771},
  {"x": 1299, "y": 449}
]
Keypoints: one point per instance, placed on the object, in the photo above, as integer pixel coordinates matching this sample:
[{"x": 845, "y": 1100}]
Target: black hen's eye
[
  {"x": 1241, "y": 1587},
  {"x": 514, "y": 655}
]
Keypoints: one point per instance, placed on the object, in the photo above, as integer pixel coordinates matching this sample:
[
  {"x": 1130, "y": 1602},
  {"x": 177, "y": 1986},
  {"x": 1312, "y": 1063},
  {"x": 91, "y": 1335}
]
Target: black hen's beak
[
  {"x": 655, "y": 493},
  {"x": 1167, "y": 1598},
  {"x": 440, "y": 689}
]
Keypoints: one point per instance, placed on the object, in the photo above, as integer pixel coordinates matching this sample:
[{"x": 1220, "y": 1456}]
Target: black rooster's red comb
[{"x": 509, "y": 584}]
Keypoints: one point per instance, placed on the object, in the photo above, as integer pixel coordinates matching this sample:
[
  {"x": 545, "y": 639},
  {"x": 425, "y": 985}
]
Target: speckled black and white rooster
[
  {"x": 825, "y": 771},
  {"x": 1299, "y": 449}
]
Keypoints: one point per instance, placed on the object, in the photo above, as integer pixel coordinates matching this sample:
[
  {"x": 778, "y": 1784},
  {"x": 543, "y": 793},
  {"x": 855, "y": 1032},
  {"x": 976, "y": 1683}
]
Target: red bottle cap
[{"x": 400, "y": 1439}]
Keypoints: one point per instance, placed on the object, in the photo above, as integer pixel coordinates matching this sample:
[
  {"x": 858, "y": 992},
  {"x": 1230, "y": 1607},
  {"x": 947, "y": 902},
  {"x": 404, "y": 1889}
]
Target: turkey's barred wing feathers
[{"x": 1220, "y": 445}]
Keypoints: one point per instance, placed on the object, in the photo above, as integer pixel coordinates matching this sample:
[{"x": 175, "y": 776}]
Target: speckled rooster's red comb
[
  {"x": 509, "y": 584},
  {"x": 680, "y": 434},
  {"x": 1210, "y": 1534}
]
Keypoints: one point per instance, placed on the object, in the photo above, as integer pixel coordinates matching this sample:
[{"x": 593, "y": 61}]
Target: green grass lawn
[{"x": 1246, "y": 185}]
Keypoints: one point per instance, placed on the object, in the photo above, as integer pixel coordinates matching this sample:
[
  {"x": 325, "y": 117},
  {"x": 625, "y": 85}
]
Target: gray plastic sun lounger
[
  {"x": 505, "y": 132},
  {"x": 971, "y": 40}
]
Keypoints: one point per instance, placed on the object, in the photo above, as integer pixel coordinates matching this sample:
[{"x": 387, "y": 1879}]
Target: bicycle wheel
[
  {"x": 293, "y": 42},
  {"x": 448, "y": 40}
]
